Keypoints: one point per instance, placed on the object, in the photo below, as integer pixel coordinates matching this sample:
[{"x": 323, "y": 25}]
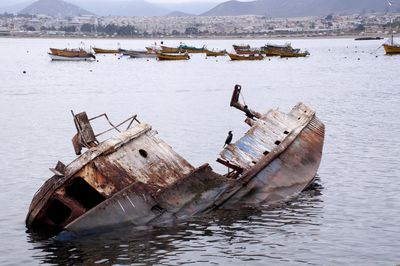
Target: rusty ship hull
[{"x": 135, "y": 178}]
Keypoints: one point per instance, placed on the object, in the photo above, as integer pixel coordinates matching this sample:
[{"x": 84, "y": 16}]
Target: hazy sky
[
  {"x": 151, "y": 1},
  {"x": 182, "y": 1}
]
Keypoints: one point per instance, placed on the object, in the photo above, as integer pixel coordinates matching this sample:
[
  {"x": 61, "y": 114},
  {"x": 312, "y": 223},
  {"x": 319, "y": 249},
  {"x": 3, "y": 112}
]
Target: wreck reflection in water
[{"x": 238, "y": 235}]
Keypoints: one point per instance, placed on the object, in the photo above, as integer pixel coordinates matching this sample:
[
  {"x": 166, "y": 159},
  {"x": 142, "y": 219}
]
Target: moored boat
[
  {"x": 166, "y": 57},
  {"x": 88, "y": 57},
  {"x": 135, "y": 178},
  {"x": 143, "y": 55},
  {"x": 277, "y": 50},
  {"x": 68, "y": 52},
  {"x": 245, "y": 49},
  {"x": 153, "y": 49},
  {"x": 250, "y": 57},
  {"x": 391, "y": 47},
  {"x": 169, "y": 50},
  {"x": 129, "y": 52},
  {"x": 105, "y": 51},
  {"x": 191, "y": 49},
  {"x": 241, "y": 47},
  {"x": 216, "y": 53},
  {"x": 294, "y": 53},
  {"x": 368, "y": 38}
]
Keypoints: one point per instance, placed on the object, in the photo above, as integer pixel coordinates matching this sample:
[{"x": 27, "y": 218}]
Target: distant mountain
[
  {"x": 195, "y": 7},
  {"x": 178, "y": 14},
  {"x": 13, "y": 8},
  {"x": 297, "y": 8},
  {"x": 121, "y": 7},
  {"x": 56, "y": 8}
]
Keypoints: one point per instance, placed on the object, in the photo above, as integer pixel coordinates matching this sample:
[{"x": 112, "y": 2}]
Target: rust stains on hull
[{"x": 136, "y": 178}]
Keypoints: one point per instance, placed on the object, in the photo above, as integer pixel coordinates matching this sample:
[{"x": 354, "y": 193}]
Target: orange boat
[
  {"x": 69, "y": 52},
  {"x": 169, "y": 50},
  {"x": 170, "y": 57},
  {"x": 294, "y": 54},
  {"x": 105, "y": 51},
  {"x": 391, "y": 47},
  {"x": 216, "y": 53},
  {"x": 277, "y": 50},
  {"x": 250, "y": 57}
]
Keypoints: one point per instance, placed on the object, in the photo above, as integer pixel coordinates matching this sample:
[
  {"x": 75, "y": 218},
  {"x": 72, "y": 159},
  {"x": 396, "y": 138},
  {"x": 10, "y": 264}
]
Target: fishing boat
[
  {"x": 105, "y": 51},
  {"x": 368, "y": 38},
  {"x": 70, "y": 55},
  {"x": 129, "y": 52},
  {"x": 192, "y": 49},
  {"x": 216, "y": 53},
  {"x": 143, "y": 55},
  {"x": 169, "y": 50},
  {"x": 88, "y": 57},
  {"x": 68, "y": 52},
  {"x": 166, "y": 57},
  {"x": 250, "y": 57},
  {"x": 135, "y": 178},
  {"x": 277, "y": 50},
  {"x": 245, "y": 49},
  {"x": 153, "y": 49},
  {"x": 294, "y": 53},
  {"x": 241, "y": 47},
  {"x": 391, "y": 47}
]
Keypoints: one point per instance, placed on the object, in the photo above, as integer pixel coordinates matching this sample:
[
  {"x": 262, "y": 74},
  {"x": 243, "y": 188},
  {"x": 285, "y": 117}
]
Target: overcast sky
[
  {"x": 182, "y": 1},
  {"x": 151, "y": 1}
]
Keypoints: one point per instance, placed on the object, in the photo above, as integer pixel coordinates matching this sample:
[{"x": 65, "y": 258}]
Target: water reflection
[{"x": 252, "y": 234}]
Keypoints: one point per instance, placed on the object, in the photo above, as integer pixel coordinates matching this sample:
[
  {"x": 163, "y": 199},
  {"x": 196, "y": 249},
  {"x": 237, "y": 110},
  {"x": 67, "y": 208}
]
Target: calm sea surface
[{"x": 351, "y": 218}]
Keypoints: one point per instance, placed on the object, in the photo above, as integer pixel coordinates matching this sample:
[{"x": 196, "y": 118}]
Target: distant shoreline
[{"x": 198, "y": 37}]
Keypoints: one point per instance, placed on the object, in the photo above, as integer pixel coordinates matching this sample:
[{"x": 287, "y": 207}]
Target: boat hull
[
  {"x": 67, "y": 52},
  {"x": 251, "y": 57},
  {"x": 71, "y": 58},
  {"x": 169, "y": 50},
  {"x": 288, "y": 174},
  {"x": 172, "y": 57},
  {"x": 287, "y": 55},
  {"x": 105, "y": 51},
  {"x": 142, "y": 55},
  {"x": 391, "y": 49},
  {"x": 215, "y": 53}
]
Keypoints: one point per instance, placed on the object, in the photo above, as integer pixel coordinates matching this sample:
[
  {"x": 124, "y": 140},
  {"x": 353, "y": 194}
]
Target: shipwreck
[{"x": 135, "y": 178}]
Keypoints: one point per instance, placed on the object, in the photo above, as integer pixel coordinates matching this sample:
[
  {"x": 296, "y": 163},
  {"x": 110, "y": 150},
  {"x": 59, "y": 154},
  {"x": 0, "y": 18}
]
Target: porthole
[{"x": 143, "y": 153}]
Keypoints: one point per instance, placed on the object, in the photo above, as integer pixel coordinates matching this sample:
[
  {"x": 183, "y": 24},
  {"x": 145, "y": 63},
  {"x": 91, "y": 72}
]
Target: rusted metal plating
[{"x": 136, "y": 178}]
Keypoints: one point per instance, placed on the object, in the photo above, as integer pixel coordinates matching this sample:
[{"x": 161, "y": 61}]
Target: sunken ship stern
[
  {"x": 285, "y": 174},
  {"x": 277, "y": 158}
]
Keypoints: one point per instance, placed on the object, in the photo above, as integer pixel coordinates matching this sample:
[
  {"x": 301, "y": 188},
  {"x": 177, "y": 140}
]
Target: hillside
[
  {"x": 56, "y": 8},
  {"x": 297, "y": 8},
  {"x": 178, "y": 14},
  {"x": 121, "y": 7}
]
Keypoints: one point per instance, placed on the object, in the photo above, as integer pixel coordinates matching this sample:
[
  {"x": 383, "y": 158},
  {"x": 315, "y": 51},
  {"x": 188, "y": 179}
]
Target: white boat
[
  {"x": 143, "y": 55},
  {"x": 70, "y": 58}
]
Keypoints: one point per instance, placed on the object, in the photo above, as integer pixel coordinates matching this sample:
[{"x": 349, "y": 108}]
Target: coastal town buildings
[{"x": 198, "y": 26}]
